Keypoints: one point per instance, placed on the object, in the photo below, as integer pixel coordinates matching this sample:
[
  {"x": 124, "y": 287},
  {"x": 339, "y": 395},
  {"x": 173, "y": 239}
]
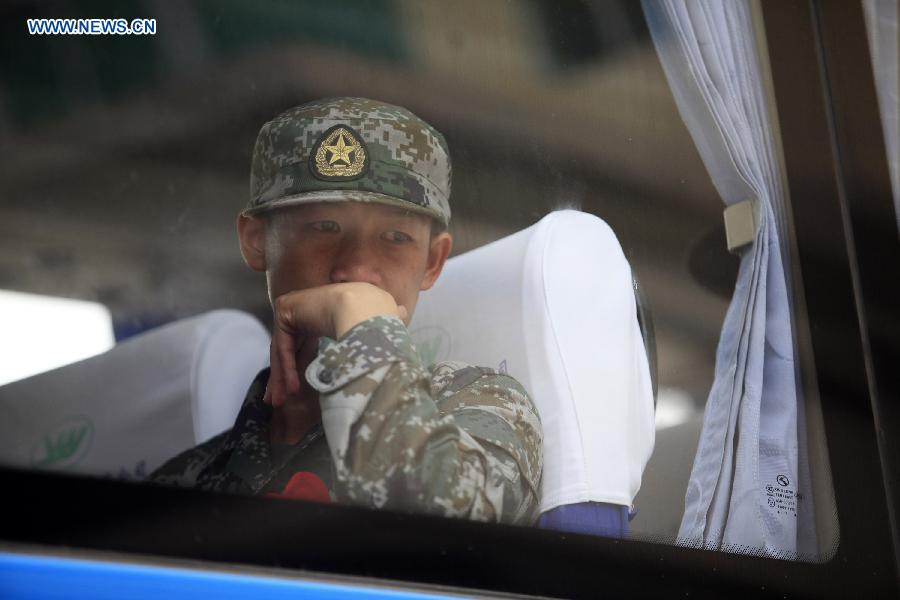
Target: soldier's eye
[
  {"x": 325, "y": 226},
  {"x": 397, "y": 237}
]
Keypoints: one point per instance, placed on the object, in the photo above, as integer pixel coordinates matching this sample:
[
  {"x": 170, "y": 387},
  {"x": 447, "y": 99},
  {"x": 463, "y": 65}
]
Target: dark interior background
[{"x": 126, "y": 158}]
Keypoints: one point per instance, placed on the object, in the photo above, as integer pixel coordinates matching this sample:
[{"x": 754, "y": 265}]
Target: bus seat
[
  {"x": 124, "y": 412},
  {"x": 554, "y": 306}
]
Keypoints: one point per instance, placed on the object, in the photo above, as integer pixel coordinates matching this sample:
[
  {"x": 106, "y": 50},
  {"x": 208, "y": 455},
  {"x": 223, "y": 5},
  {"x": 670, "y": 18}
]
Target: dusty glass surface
[{"x": 126, "y": 158}]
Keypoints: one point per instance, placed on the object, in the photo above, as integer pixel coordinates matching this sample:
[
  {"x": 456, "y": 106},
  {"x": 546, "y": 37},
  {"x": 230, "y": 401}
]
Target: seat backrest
[
  {"x": 554, "y": 306},
  {"x": 124, "y": 412}
]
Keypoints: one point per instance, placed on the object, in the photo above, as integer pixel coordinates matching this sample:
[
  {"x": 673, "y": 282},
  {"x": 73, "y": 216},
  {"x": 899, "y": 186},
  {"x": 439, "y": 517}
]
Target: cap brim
[{"x": 341, "y": 196}]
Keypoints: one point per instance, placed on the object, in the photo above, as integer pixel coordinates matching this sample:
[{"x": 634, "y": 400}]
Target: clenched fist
[{"x": 306, "y": 315}]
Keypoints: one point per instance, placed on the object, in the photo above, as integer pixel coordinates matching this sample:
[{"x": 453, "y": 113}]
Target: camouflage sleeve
[
  {"x": 182, "y": 469},
  {"x": 465, "y": 442}
]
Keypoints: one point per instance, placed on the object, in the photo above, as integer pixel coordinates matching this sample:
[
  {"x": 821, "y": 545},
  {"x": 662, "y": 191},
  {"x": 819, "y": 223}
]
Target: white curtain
[
  {"x": 881, "y": 27},
  {"x": 749, "y": 489}
]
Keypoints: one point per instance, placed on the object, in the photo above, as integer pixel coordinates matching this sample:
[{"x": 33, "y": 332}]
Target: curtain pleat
[{"x": 882, "y": 23}]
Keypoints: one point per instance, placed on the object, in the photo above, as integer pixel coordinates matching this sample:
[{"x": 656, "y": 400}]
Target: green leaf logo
[
  {"x": 432, "y": 343},
  {"x": 64, "y": 445}
]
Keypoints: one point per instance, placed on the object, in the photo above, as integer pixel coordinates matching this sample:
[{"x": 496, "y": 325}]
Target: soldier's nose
[{"x": 354, "y": 263}]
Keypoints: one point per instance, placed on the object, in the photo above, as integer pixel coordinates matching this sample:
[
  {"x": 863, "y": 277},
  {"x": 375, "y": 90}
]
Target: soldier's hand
[{"x": 329, "y": 310}]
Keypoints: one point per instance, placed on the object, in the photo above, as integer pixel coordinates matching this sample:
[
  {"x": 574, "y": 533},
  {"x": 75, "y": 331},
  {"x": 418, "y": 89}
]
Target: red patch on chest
[{"x": 304, "y": 485}]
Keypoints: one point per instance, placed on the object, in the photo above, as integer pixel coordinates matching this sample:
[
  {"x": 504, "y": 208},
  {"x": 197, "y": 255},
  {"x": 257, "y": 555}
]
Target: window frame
[{"x": 824, "y": 100}]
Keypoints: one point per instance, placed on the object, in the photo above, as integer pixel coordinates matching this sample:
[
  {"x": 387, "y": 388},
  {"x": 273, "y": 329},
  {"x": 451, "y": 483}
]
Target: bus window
[{"x": 589, "y": 278}]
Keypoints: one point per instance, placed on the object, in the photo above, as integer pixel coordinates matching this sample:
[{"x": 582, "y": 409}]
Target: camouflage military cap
[{"x": 350, "y": 149}]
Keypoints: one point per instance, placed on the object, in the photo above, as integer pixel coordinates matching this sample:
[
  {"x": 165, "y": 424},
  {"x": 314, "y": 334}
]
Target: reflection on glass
[
  {"x": 42, "y": 332},
  {"x": 130, "y": 155}
]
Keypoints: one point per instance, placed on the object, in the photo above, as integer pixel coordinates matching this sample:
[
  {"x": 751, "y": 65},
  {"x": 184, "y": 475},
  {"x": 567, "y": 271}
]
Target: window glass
[{"x": 127, "y": 159}]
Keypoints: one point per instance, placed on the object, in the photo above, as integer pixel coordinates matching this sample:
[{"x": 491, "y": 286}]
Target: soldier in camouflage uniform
[{"x": 347, "y": 218}]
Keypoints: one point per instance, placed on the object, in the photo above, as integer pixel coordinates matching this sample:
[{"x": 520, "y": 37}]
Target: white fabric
[
  {"x": 554, "y": 307},
  {"x": 881, "y": 28},
  {"x": 750, "y": 464},
  {"x": 125, "y": 412}
]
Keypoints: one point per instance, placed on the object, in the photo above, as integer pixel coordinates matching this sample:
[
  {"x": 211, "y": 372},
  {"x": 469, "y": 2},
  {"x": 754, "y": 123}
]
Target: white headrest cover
[
  {"x": 554, "y": 306},
  {"x": 125, "y": 412}
]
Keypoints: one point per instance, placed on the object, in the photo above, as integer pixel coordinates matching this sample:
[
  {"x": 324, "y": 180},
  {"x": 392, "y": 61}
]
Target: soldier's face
[{"x": 318, "y": 244}]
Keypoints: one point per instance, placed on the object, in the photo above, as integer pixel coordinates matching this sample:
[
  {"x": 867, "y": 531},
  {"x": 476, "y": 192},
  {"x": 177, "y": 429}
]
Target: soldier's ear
[
  {"x": 252, "y": 237},
  {"x": 439, "y": 250}
]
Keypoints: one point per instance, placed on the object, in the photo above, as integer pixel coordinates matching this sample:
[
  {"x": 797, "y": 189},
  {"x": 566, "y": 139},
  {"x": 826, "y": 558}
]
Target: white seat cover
[
  {"x": 125, "y": 412},
  {"x": 553, "y": 305}
]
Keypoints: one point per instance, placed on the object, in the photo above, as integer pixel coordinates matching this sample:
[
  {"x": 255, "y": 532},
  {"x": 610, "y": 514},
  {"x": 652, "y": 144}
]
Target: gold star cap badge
[
  {"x": 339, "y": 155},
  {"x": 350, "y": 149}
]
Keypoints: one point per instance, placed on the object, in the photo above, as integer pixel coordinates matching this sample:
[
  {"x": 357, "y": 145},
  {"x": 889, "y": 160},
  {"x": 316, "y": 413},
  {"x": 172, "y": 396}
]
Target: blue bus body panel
[{"x": 41, "y": 578}]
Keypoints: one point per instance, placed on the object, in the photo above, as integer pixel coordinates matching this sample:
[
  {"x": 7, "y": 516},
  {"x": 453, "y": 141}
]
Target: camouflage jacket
[{"x": 455, "y": 440}]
